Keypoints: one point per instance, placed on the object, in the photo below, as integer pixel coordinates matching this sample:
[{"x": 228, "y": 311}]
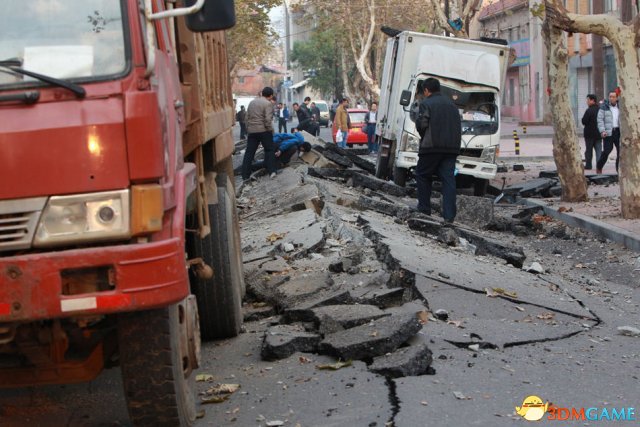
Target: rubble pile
[{"x": 338, "y": 262}]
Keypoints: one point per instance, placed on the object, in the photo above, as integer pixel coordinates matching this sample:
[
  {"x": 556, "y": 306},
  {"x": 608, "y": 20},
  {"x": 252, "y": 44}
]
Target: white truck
[{"x": 471, "y": 73}]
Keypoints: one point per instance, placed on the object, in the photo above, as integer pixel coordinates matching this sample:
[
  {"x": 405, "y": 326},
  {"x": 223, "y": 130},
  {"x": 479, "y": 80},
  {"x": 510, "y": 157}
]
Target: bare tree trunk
[
  {"x": 566, "y": 150},
  {"x": 345, "y": 76},
  {"x": 625, "y": 40}
]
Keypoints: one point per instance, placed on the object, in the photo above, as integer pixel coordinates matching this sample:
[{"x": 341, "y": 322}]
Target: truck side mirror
[
  {"x": 215, "y": 15},
  {"x": 405, "y": 98}
]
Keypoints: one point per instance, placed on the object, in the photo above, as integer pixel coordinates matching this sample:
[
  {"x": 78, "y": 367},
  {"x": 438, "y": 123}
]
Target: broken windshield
[
  {"x": 478, "y": 110},
  {"x": 65, "y": 39}
]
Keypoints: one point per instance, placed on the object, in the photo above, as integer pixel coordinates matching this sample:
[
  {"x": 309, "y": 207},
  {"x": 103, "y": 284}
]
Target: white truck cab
[{"x": 471, "y": 74}]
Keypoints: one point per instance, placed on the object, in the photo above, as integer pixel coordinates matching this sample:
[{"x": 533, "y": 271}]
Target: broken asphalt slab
[
  {"x": 407, "y": 361},
  {"x": 334, "y": 318},
  {"x": 493, "y": 322},
  {"x": 263, "y": 237},
  {"x": 281, "y": 341},
  {"x": 461, "y": 269},
  {"x": 373, "y": 339}
]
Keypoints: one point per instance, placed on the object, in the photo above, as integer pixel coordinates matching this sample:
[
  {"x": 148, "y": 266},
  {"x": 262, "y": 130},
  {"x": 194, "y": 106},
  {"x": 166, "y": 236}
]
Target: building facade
[
  {"x": 592, "y": 66},
  {"x": 524, "y": 95}
]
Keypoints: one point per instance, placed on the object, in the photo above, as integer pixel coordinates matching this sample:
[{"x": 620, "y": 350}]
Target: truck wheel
[
  {"x": 156, "y": 366},
  {"x": 480, "y": 187},
  {"x": 400, "y": 176},
  {"x": 219, "y": 298}
]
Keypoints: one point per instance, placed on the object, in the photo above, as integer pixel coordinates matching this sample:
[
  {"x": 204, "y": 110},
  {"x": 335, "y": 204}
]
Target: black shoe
[{"x": 448, "y": 223}]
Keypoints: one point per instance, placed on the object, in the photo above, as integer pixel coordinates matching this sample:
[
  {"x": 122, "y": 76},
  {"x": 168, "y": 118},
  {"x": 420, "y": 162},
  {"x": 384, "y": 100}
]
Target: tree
[
  {"x": 625, "y": 39},
  {"x": 566, "y": 150},
  {"x": 461, "y": 14},
  {"x": 252, "y": 37},
  {"x": 319, "y": 54}
]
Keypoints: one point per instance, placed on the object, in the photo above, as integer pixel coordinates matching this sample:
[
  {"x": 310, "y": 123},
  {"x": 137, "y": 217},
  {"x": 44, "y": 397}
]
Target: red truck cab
[{"x": 95, "y": 186}]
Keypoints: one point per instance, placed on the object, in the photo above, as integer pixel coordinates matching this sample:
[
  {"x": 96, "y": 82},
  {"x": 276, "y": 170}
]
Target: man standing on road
[
  {"x": 241, "y": 118},
  {"x": 342, "y": 121},
  {"x": 260, "y": 129},
  {"x": 283, "y": 116},
  {"x": 609, "y": 128},
  {"x": 370, "y": 128},
  {"x": 440, "y": 130},
  {"x": 315, "y": 118},
  {"x": 592, "y": 138}
]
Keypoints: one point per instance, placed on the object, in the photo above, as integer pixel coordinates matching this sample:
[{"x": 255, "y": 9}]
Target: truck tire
[
  {"x": 158, "y": 389},
  {"x": 400, "y": 176},
  {"x": 220, "y": 297},
  {"x": 480, "y": 187}
]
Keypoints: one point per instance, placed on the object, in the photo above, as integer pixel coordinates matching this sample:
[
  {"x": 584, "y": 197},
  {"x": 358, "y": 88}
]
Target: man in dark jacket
[
  {"x": 241, "y": 118},
  {"x": 304, "y": 117},
  {"x": 440, "y": 130},
  {"x": 592, "y": 138}
]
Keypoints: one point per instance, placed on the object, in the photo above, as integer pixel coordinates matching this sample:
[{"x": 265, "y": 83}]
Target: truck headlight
[
  {"x": 488, "y": 154},
  {"x": 410, "y": 142},
  {"x": 82, "y": 217}
]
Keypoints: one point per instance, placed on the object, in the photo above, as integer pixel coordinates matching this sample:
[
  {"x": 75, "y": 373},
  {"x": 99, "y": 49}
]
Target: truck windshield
[
  {"x": 478, "y": 111},
  {"x": 65, "y": 39}
]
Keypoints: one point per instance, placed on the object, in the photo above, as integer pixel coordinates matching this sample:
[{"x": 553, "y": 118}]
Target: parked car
[
  {"x": 323, "y": 120},
  {"x": 356, "y": 135}
]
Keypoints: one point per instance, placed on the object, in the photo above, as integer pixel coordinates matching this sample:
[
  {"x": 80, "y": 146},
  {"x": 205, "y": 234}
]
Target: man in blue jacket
[
  {"x": 439, "y": 126},
  {"x": 287, "y": 145}
]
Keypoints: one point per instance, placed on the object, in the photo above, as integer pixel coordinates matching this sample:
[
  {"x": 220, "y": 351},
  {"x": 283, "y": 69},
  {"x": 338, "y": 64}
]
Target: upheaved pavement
[{"x": 443, "y": 325}]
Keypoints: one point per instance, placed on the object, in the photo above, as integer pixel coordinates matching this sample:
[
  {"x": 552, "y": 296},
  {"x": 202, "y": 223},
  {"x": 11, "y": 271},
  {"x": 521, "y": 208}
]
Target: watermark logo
[{"x": 532, "y": 408}]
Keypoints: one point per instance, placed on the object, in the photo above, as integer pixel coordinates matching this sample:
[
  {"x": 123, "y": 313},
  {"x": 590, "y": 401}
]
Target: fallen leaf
[
  {"x": 564, "y": 209},
  {"x": 275, "y": 236},
  {"x": 303, "y": 359},
  {"x": 537, "y": 219},
  {"x": 214, "y": 398},
  {"x": 519, "y": 308},
  {"x": 275, "y": 423},
  {"x": 204, "y": 378},
  {"x": 335, "y": 366},
  {"x": 423, "y": 317},
  {"x": 504, "y": 292},
  {"x": 373, "y": 334},
  {"x": 200, "y": 414},
  {"x": 223, "y": 389},
  {"x": 259, "y": 304},
  {"x": 546, "y": 316},
  {"x": 579, "y": 266}
]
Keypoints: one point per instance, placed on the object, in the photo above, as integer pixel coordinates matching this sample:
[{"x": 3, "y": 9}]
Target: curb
[
  {"x": 616, "y": 234},
  {"x": 522, "y": 158}
]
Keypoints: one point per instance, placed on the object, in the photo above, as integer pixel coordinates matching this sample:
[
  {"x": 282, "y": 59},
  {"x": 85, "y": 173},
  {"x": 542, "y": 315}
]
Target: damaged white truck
[{"x": 471, "y": 73}]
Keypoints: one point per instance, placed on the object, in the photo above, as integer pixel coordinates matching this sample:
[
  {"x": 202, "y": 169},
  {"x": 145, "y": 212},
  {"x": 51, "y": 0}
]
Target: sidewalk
[{"x": 532, "y": 131}]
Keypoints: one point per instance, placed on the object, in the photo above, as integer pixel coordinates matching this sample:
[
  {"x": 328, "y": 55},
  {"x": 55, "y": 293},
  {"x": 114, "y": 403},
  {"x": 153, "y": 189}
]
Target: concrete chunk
[
  {"x": 303, "y": 312},
  {"x": 334, "y": 318},
  {"x": 385, "y": 297},
  {"x": 514, "y": 255},
  {"x": 404, "y": 362},
  {"x": 373, "y": 339},
  {"x": 373, "y": 183},
  {"x": 338, "y": 159},
  {"x": 282, "y": 341}
]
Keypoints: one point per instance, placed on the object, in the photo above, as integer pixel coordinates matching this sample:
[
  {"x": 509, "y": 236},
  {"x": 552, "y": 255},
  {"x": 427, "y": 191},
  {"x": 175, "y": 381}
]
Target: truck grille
[
  {"x": 18, "y": 221},
  {"x": 471, "y": 152}
]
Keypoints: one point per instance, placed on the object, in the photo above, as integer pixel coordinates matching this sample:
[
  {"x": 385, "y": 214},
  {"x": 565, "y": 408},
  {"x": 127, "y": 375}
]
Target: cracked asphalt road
[{"x": 557, "y": 339}]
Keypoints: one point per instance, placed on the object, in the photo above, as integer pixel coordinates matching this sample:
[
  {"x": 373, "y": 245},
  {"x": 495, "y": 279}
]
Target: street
[{"x": 494, "y": 332}]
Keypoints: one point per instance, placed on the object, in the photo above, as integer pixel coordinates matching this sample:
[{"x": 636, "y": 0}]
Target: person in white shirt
[
  {"x": 609, "y": 128},
  {"x": 370, "y": 128}
]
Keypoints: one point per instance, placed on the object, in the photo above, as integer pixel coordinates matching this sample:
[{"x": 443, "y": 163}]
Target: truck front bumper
[
  {"x": 134, "y": 277},
  {"x": 465, "y": 165}
]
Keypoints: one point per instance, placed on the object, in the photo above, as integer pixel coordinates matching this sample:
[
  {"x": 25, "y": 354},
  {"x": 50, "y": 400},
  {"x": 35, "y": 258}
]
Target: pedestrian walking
[
  {"x": 592, "y": 137},
  {"x": 241, "y": 118},
  {"x": 342, "y": 122},
  {"x": 260, "y": 132},
  {"x": 609, "y": 128},
  {"x": 315, "y": 118},
  {"x": 370, "y": 128},
  {"x": 439, "y": 126}
]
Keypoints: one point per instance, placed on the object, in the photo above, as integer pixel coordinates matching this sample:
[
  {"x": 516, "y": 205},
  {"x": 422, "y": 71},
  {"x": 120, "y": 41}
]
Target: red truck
[{"x": 119, "y": 239}]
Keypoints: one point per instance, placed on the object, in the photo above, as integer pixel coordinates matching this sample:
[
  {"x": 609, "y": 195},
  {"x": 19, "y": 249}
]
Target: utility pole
[{"x": 446, "y": 12}]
